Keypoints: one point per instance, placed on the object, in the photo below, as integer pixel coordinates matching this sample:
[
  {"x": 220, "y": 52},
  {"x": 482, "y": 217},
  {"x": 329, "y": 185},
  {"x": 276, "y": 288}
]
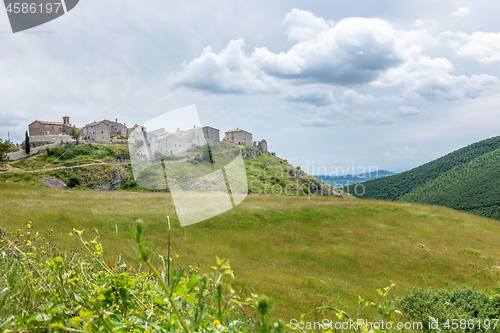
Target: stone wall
[
  {"x": 22, "y": 154},
  {"x": 50, "y": 138},
  {"x": 212, "y": 135}
]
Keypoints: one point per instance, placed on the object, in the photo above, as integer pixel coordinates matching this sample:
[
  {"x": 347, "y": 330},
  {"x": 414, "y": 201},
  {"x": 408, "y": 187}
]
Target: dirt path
[{"x": 19, "y": 170}]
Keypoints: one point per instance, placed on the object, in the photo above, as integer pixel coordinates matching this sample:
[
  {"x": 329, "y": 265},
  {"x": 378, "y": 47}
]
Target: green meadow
[{"x": 301, "y": 251}]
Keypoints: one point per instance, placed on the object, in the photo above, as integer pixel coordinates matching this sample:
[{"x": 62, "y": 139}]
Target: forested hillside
[{"x": 466, "y": 179}]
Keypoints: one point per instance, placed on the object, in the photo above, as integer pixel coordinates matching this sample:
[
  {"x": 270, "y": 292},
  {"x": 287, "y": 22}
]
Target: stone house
[
  {"x": 212, "y": 135},
  {"x": 173, "y": 145},
  {"x": 117, "y": 128},
  {"x": 158, "y": 141},
  {"x": 101, "y": 131},
  {"x": 97, "y": 132},
  {"x": 198, "y": 136},
  {"x": 239, "y": 137},
  {"x": 39, "y": 128}
]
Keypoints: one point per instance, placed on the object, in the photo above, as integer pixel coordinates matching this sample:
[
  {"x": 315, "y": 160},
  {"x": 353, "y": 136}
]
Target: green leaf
[
  {"x": 57, "y": 325},
  {"x": 75, "y": 321},
  {"x": 159, "y": 301},
  {"x": 191, "y": 298},
  {"x": 181, "y": 289},
  {"x": 192, "y": 282}
]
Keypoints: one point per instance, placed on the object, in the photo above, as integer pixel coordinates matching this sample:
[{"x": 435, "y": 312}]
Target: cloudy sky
[{"x": 331, "y": 85}]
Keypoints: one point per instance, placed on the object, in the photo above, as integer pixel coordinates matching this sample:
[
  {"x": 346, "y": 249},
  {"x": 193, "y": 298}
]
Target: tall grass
[{"x": 302, "y": 252}]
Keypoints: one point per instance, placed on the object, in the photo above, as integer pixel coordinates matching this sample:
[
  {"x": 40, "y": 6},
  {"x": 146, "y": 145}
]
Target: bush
[
  {"x": 50, "y": 291},
  {"x": 73, "y": 181},
  {"x": 75, "y": 151},
  {"x": 279, "y": 181},
  {"x": 442, "y": 305},
  {"x": 130, "y": 185}
]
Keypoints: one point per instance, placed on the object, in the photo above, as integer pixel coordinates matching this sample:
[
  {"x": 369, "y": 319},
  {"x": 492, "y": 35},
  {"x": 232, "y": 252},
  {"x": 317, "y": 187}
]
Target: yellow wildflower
[
  {"x": 21, "y": 235},
  {"x": 216, "y": 322}
]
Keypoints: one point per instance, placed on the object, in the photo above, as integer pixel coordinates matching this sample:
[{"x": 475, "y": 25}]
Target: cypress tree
[{"x": 27, "y": 143}]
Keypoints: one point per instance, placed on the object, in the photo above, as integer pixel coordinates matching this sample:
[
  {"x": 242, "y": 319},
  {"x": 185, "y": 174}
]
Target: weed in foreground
[{"x": 44, "y": 290}]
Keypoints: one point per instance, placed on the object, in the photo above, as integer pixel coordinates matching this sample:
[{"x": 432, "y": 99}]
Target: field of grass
[{"x": 300, "y": 251}]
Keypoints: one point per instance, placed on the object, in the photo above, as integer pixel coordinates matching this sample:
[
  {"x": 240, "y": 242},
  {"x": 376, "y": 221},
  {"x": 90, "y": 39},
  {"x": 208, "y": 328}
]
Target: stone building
[
  {"x": 262, "y": 145},
  {"x": 117, "y": 128},
  {"x": 239, "y": 137},
  {"x": 198, "y": 136},
  {"x": 101, "y": 131},
  {"x": 173, "y": 145},
  {"x": 97, "y": 132},
  {"x": 39, "y": 128},
  {"x": 152, "y": 142},
  {"x": 211, "y": 135}
]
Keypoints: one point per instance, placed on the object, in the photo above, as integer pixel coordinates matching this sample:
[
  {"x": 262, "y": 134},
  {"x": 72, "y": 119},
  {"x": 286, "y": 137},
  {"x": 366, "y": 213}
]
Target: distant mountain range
[
  {"x": 341, "y": 181},
  {"x": 467, "y": 179}
]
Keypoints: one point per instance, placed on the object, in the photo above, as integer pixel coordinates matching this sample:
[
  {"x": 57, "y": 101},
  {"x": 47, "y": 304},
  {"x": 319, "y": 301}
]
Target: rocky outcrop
[
  {"x": 114, "y": 181},
  {"x": 249, "y": 151},
  {"x": 56, "y": 183}
]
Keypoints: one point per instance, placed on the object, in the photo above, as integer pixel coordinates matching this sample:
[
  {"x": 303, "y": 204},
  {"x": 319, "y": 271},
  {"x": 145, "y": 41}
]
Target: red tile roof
[{"x": 47, "y": 122}]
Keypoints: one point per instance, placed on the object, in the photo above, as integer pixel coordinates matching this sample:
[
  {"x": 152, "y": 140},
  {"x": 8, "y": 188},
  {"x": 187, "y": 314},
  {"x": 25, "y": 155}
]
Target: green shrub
[
  {"x": 130, "y": 185},
  {"x": 279, "y": 181},
  {"x": 460, "y": 304},
  {"x": 74, "y": 151},
  {"x": 73, "y": 181}
]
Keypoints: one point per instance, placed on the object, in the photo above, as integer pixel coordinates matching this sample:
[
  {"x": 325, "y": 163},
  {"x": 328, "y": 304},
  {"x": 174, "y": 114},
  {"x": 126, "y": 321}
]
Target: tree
[
  {"x": 27, "y": 147},
  {"x": 5, "y": 147},
  {"x": 74, "y": 134},
  {"x": 207, "y": 153}
]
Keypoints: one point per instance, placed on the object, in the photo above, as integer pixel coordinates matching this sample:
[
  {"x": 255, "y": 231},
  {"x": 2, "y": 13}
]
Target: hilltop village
[{"x": 112, "y": 132}]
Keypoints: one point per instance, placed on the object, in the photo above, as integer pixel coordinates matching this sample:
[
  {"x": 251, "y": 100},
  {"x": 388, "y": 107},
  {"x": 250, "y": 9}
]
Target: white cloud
[
  {"x": 481, "y": 46},
  {"x": 315, "y": 97},
  {"x": 325, "y": 117},
  {"x": 230, "y": 71},
  {"x": 461, "y": 12},
  {"x": 431, "y": 78},
  {"x": 351, "y": 53},
  {"x": 355, "y": 50},
  {"x": 408, "y": 111},
  {"x": 405, "y": 153},
  {"x": 304, "y": 25},
  {"x": 351, "y": 97}
]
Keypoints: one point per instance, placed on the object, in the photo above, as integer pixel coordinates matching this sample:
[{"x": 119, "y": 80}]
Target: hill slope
[
  {"x": 473, "y": 187},
  {"x": 466, "y": 179},
  {"x": 297, "y": 250},
  {"x": 107, "y": 167}
]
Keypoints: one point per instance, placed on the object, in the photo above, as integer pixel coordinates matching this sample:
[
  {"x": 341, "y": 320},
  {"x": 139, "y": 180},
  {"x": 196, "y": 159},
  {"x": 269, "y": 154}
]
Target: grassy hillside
[
  {"x": 300, "y": 250},
  {"x": 466, "y": 179},
  {"x": 91, "y": 166}
]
